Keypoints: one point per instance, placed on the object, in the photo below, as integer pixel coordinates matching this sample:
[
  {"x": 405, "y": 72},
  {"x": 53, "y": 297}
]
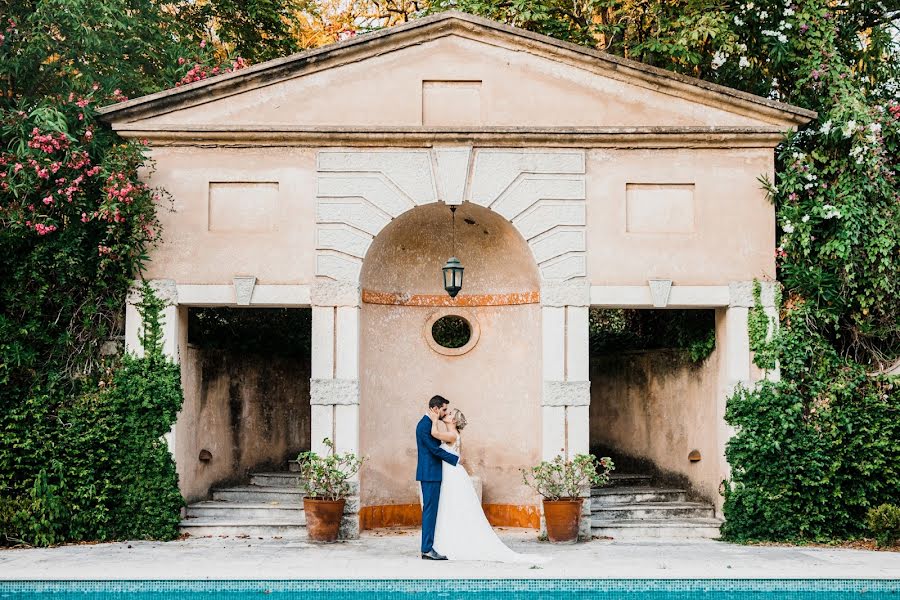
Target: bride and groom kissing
[{"x": 454, "y": 526}]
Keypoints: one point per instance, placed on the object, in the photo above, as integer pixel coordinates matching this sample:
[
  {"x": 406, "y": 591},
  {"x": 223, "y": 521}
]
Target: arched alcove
[{"x": 496, "y": 381}]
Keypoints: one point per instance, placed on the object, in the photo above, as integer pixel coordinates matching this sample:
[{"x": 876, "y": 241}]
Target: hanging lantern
[
  {"x": 453, "y": 270},
  {"x": 453, "y": 276}
]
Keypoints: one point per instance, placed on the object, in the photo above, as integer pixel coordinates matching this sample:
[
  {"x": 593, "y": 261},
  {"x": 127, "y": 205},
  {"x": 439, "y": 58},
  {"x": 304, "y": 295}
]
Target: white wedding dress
[{"x": 462, "y": 532}]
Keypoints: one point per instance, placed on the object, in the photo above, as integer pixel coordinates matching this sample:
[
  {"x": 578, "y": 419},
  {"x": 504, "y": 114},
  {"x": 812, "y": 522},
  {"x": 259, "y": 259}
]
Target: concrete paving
[{"x": 393, "y": 555}]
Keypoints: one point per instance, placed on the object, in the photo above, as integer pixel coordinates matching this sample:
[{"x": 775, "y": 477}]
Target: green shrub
[
  {"x": 814, "y": 451},
  {"x": 884, "y": 522},
  {"x": 92, "y": 465}
]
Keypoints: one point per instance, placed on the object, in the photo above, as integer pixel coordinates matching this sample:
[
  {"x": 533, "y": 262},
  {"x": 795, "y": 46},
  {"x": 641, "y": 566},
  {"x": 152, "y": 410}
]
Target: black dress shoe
[{"x": 433, "y": 555}]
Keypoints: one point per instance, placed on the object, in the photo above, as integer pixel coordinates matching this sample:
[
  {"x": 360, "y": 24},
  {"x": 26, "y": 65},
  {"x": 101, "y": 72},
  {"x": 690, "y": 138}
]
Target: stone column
[
  {"x": 334, "y": 382},
  {"x": 172, "y": 330},
  {"x": 734, "y": 358},
  {"x": 567, "y": 388}
]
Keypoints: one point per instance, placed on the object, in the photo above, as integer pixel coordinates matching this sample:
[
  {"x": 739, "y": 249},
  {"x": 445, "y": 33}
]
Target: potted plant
[
  {"x": 326, "y": 480},
  {"x": 560, "y": 482}
]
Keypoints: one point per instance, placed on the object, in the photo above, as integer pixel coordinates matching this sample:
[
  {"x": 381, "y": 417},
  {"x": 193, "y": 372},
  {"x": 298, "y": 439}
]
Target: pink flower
[
  {"x": 44, "y": 229},
  {"x": 203, "y": 43},
  {"x": 48, "y": 200}
]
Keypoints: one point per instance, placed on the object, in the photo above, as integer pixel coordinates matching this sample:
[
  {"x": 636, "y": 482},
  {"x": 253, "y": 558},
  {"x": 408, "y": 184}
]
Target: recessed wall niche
[
  {"x": 243, "y": 206},
  {"x": 659, "y": 208}
]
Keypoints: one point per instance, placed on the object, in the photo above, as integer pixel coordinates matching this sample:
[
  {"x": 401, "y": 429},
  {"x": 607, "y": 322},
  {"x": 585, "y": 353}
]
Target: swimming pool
[{"x": 469, "y": 589}]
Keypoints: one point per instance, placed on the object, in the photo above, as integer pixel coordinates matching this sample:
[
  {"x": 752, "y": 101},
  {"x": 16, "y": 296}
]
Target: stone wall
[
  {"x": 657, "y": 407},
  {"x": 250, "y": 411}
]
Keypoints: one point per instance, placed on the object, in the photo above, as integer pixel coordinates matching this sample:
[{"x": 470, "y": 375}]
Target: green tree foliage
[
  {"x": 693, "y": 332},
  {"x": 256, "y": 30}
]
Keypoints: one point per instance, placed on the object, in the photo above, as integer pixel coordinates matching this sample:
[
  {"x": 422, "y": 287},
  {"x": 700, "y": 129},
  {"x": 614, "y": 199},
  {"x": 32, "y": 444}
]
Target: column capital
[
  {"x": 740, "y": 293},
  {"x": 335, "y": 293},
  {"x": 566, "y": 393},
  {"x": 331, "y": 392},
  {"x": 566, "y": 293}
]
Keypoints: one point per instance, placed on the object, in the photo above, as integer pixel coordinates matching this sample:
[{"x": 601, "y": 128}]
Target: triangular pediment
[{"x": 451, "y": 71}]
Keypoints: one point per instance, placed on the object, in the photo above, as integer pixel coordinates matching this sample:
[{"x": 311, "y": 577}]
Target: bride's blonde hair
[{"x": 459, "y": 419}]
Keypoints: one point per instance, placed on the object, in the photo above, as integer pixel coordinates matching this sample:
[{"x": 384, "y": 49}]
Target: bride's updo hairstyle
[{"x": 459, "y": 419}]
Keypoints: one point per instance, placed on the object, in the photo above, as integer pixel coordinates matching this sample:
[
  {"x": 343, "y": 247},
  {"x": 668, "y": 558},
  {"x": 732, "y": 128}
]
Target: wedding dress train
[{"x": 462, "y": 531}]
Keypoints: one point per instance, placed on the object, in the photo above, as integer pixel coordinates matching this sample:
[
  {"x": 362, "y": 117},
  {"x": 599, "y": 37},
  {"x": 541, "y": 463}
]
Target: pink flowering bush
[
  {"x": 62, "y": 179},
  {"x": 208, "y": 66}
]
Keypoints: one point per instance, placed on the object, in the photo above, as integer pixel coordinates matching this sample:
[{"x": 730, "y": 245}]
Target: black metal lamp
[{"x": 453, "y": 270}]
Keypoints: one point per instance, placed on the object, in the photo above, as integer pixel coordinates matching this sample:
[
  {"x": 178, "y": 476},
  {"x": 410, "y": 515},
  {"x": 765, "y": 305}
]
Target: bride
[{"x": 462, "y": 532}]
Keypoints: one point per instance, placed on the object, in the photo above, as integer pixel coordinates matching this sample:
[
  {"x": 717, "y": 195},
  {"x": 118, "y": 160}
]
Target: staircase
[
  {"x": 271, "y": 506},
  {"x": 631, "y": 507}
]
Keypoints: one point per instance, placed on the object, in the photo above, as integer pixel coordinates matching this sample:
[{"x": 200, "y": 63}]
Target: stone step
[
  {"x": 243, "y": 528},
  {"x": 293, "y": 466},
  {"x": 628, "y": 480},
  {"x": 278, "y": 479},
  {"x": 626, "y": 529},
  {"x": 654, "y": 511},
  {"x": 259, "y": 494},
  {"x": 635, "y": 495},
  {"x": 244, "y": 511},
  {"x": 288, "y": 480}
]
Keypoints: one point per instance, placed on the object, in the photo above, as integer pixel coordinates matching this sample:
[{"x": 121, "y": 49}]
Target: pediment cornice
[{"x": 427, "y": 29}]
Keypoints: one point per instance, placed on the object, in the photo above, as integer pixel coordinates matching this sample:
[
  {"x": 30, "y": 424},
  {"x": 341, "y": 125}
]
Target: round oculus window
[{"x": 451, "y": 332}]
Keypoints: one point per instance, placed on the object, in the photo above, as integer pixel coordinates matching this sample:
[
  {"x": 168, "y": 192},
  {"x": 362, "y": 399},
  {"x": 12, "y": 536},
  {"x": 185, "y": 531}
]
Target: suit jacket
[{"x": 430, "y": 453}]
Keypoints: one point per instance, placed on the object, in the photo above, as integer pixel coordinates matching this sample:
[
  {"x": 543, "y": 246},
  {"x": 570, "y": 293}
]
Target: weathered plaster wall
[
  {"x": 730, "y": 235},
  {"x": 497, "y": 384},
  {"x": 251, "y": 411},
  {"x": 256, "y": 219},
  {"x": 262, "y": 222},
  {"x": 654, "y": 406}
]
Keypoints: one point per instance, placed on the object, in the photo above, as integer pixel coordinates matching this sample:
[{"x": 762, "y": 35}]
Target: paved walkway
[{"x": 393, "y": 555}]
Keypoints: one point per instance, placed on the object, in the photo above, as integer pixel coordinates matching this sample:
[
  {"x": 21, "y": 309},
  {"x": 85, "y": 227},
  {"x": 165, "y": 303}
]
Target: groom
[{"x": 429, "y": 472}]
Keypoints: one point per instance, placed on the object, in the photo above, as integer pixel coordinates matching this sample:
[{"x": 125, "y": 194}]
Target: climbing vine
[{"x": 763, "y": 329}]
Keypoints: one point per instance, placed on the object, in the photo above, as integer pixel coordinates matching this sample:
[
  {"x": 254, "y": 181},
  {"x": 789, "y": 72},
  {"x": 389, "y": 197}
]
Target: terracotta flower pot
[
  {"x": 563, "y": 517},
  {"x": 323, "y": 518}
]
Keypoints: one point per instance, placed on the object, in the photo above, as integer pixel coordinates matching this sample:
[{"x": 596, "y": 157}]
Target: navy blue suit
[{"x": 429, "y": 473}]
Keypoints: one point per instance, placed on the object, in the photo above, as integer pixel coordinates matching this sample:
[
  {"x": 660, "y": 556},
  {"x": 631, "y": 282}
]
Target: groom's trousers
[{"x": 431, "y": 494}]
